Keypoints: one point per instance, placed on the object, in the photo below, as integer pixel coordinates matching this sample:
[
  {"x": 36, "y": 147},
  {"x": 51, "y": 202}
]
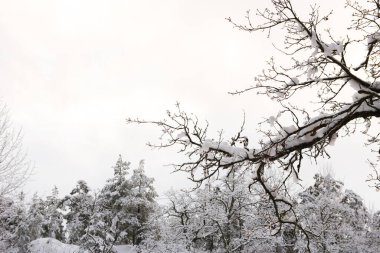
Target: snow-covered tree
[
  {"x": 112, "y": 204},
  {"x": 140, "y": 204},
  {"x": 225, "y": 215},
  {"x": 24, "y": 224},
  {"x": 12, "y": 218},
  {"x": 79, "y": 206},
  {"x": 54, "y": 217},
  {"x": 122, "y": 210},
  {"x": 233, "y": 216},
  {"x": 36, "y": 218},
  {"x": 374, "y": 234},
  {"x": 14, "y": 168},
  {"x": 322, "y": 64},
  {"x": 22, "y": 237},
  {"x": 337, "y": 219},
  {"x": 99, "y": 235},
  {"x": 165, "y": 235}
]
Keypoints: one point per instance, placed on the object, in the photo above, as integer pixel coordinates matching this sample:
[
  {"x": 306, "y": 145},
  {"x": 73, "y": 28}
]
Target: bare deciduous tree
[
  {"x": 14, "y": 167},
  {"x": 319, "y": 65}
]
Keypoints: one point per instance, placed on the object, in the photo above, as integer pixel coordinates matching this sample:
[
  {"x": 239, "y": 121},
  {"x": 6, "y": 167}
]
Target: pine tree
[
  {"x": 140, "y": 204},
  {"x": 124, "y": 205},
  {"x": 54, "y": 217},
  {"x": 12, "y": 218},
  {"x": 99, "y": 236},
  {"x": 36, "y": 218},
  {"x": 108, "y": 222},
  {"x": 22, "y": 237},
  {"x": 373, "y": 237},
  {"x": 113, "y": 201},
  {"x": 79, "y": 206}
]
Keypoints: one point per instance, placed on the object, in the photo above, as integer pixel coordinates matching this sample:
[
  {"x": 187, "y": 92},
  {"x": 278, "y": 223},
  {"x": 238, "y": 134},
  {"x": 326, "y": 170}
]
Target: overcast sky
[{"x": 72, "y": 71}]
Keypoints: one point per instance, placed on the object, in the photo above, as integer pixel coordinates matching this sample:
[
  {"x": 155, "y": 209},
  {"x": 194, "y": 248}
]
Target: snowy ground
[{"x": 50, "y": 245}]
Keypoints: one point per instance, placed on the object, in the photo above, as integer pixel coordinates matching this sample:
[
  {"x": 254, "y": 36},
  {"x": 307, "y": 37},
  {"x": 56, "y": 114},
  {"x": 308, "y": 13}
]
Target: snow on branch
[
  {"x": 317, "y": 61},
  {"x": 287, "y": 148}
]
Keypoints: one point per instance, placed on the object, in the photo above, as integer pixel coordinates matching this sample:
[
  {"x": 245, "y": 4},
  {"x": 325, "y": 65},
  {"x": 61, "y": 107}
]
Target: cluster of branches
[
  {"x": 317, "y": 61},
  {"x": 14, "y": 166},
  {"x": 225, "y": 215}
]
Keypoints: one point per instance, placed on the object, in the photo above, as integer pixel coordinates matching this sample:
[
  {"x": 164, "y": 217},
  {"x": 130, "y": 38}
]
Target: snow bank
[
  {"x": 125, "y": 249},
  {"x": 50, "y": 245}
]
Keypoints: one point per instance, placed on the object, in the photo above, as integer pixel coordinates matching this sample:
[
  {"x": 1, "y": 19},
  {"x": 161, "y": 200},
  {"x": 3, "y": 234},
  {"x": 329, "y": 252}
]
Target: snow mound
[
  {"x": 125, "y": 249},
  {"x": 50, "y": 245}
]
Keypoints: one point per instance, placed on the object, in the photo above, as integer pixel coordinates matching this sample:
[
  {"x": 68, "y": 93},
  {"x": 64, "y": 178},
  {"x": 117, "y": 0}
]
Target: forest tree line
[{"x": 227, "y": 214}]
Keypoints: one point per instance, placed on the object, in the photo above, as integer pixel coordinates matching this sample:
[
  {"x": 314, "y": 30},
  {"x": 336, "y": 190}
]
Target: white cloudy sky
[{"x": 71, "y": 71}]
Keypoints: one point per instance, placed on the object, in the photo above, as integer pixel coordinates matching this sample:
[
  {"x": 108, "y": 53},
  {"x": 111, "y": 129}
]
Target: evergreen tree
[
  {"x": 108, "y": 222},
  {"x": 54, "y": 218},
  {"x": 79, "y": 205},
  {"x": 373, "y": 238},
  {"x": 22, "y": 237},
  {"x": 36, "y": 218},
  {"x": 99, "y": 236},
  {"x": 124, "y": 205},
  {"x": 12, "y": 216},
  {"x": 140, "y": 204},
  {"x": 113, "y": 201}
]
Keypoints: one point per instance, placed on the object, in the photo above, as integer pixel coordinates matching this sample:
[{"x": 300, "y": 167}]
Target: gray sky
[{"x": 72, "y": 71}]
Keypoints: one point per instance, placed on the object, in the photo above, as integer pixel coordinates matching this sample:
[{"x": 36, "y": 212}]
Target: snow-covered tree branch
[{"x": 321, "y": 65}]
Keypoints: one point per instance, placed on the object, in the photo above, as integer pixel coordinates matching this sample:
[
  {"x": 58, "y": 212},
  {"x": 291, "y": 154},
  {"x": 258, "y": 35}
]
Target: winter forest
[{"x": 246, "y": 191}]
